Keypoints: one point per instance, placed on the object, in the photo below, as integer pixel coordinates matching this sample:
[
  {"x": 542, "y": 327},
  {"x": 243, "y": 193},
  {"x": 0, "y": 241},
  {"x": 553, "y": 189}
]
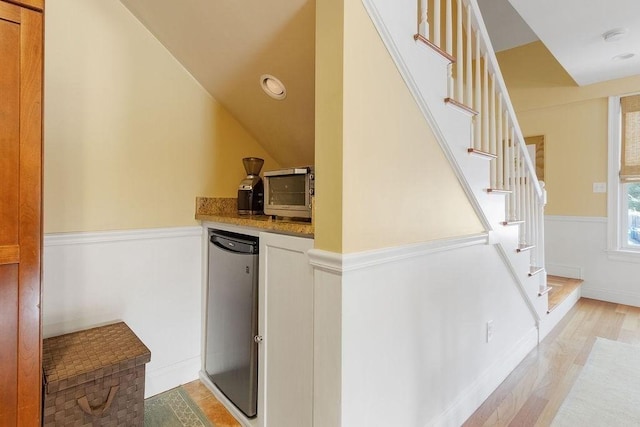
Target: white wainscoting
[
  {"x": 150, "y": 279},
  {"x": 577, "y": 247},
  {"x": 400, "y": 334}
]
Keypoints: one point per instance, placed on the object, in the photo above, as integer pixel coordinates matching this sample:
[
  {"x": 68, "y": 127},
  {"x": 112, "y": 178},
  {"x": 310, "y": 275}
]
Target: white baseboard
[
  {"x": 167, "y": 377},
  {"x": 469, "y": 400},
  {"x": 617, "y": 297}
]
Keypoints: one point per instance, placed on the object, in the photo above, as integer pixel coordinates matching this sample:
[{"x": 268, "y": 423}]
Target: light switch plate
[{"x": 599, "y": 187}]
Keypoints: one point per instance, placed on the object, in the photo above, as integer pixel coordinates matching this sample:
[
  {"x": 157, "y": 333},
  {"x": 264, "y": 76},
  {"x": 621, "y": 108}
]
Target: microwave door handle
[{"x": 295, "y": 171}]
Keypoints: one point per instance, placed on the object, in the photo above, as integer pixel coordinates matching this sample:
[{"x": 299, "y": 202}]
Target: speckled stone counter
[{"x": 224, "y": 210}]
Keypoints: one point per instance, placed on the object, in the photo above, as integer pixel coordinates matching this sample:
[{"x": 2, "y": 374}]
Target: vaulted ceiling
[
  {"x": 227, "y": 45},
  {"x": 573, "y": 31}
]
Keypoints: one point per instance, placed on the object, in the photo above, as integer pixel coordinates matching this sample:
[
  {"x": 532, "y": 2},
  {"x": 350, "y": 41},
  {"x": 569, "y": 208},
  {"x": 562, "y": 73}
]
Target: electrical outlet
[{"x": 489, "y": 330}]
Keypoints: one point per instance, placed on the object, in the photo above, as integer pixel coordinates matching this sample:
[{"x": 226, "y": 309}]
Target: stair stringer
[{"x": 425, "y": 74}]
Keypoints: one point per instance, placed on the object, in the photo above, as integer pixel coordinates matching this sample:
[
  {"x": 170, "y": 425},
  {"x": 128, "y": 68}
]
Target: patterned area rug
[{"x": 173, "y": 408}]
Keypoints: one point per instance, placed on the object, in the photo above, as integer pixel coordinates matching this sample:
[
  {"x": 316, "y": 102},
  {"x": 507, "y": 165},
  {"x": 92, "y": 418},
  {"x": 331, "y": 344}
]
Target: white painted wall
[
  {"x": 413, "y": 344},
  {"x": 577, "y": 247},
  {"x": 150, "y": 279}
]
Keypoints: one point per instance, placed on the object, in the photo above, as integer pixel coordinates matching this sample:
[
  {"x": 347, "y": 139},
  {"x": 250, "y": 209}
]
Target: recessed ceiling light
[
  {"x": 273, "y": 87},
  {"x": 623, "y": 56},
  {"x": 614, "y": 35}
]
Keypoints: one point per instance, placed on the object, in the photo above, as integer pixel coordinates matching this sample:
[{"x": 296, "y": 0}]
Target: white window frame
[{"x": 617, "y": 209}]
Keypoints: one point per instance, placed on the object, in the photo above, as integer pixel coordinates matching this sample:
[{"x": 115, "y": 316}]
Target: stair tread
[
  {"x": 524, "y": 247},
  {"x": 498, "y": 191},
  {"x": 432, "y": 45},
  {"x": 545, "y": 291},
  {"x": 533, "y": 270},
  {"x": 513, "y": 222},
  {"x": 561, "y": 288},
  {"x": 481, "y": 153},
  {"x": 459, "y": 105}
]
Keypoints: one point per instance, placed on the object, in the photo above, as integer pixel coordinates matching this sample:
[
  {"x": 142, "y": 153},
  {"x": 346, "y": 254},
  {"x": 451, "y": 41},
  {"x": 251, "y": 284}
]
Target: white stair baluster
[
  {"x": 527, "y": 206},
  {"x": 448, "y": 30},
  {"x": 459, "y": 54},
  {"x": 437, "y": 19},
  {"x": 477, "y": 99},
  {"x": 485, "y": 104},
  {"x": 532, "y": 213},
  {"x": 468, "y": 61},
  {"x": 521, "y": 211},
  {"x": 423, "y": 28},
  {"x": 532, "y": 236},
  {"x": 499, "y": 146},
  {"x": 448, "y": 27},
  {"x": 507, "y": 168},
  {"x": 514, "y": 176},
  {"x": 492, "y": 129},
  {"x": 540, "y": 213}
]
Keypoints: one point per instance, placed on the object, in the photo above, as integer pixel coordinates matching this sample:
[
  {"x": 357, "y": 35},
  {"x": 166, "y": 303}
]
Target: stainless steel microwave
[{"x": 288, "y": 192}]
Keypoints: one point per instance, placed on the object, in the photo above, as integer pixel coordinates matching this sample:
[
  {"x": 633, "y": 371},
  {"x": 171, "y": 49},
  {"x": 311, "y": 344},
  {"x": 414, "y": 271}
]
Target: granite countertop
[{"x": 224, "y": 210}]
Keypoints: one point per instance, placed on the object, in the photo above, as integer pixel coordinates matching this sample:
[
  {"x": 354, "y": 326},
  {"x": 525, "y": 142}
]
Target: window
[
  {"x": 624, "y": 177},
  {"x": 632, "y": 193}
]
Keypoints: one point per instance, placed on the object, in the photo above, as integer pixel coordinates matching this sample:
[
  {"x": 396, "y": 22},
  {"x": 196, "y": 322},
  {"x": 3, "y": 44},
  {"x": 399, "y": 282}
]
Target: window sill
[{"x": 624, "y": 255}]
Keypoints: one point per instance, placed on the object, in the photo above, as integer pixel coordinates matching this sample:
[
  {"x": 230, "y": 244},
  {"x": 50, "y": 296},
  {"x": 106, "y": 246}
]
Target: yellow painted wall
[
  {"x": 398, "y": 188},
  {"x": 130, "y": 137},
  {"x": 573, "y": 120},
  {"x": 328, "y": 129},
  {"x": 575, "y": 154},
  {"x": 535, "y": 79}
]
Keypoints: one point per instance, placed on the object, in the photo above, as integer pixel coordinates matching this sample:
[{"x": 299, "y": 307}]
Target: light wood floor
[
  {"x": 210, "y": 406},
  {"x": 561, "y": 287},
  {"x": 532, "y": 394}
]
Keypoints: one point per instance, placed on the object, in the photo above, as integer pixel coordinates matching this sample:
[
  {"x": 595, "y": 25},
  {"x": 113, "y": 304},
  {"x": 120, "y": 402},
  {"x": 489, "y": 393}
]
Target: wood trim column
[
  {"x": 37, "y": 5},
  {"x": 29, "y": 292}
]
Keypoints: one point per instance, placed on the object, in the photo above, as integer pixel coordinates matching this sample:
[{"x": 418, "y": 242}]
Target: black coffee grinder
[{"x": 251, "y": 189}]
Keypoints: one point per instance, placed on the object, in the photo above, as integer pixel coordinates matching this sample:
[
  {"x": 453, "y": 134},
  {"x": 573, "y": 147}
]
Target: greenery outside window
[
  {"x": 632, "y": 193},
  {"x": 624, "y": 177}
]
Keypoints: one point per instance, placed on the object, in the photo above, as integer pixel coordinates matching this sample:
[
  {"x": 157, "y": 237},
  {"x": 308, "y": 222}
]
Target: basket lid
[{"x": 78, "y": 357}]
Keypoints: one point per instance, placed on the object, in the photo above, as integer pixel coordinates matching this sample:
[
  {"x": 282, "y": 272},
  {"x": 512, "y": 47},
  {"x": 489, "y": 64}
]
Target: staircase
[{"x": 443, "y": 51}]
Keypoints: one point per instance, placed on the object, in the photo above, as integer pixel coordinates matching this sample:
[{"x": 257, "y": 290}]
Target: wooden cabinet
[
  {"x": 20, "y": 212},
  {"x": 285, "y": 396}
]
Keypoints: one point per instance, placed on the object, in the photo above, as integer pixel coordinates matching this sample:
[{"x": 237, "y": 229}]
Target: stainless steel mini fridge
[{"x": 231, "y": 359}]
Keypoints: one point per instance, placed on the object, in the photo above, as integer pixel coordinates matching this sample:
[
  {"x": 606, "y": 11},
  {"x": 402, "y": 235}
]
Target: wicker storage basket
[{"x": 95, "y": 378}]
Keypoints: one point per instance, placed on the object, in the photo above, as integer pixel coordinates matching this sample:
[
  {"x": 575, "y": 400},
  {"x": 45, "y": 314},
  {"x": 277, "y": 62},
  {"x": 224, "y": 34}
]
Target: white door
[{"x": 285, "y": 389}]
